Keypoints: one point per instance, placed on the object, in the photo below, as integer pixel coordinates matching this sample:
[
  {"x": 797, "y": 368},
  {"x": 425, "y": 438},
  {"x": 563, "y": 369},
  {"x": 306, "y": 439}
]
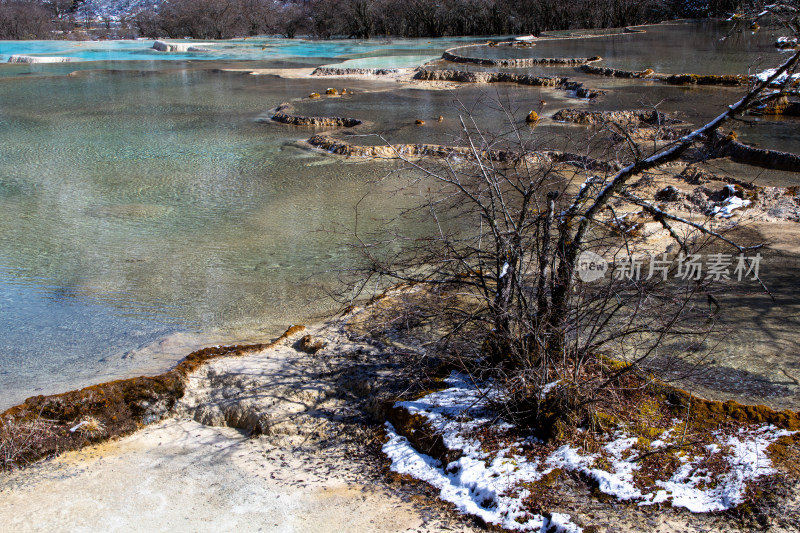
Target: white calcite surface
[
  {"x": 19, "y": 58},
  {"x": 163, "y": 46}
]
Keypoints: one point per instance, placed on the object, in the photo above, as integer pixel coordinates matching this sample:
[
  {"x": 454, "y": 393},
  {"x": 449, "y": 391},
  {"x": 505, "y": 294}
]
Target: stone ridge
[
  {"x": 671, "y": 79},
  {"x": 396, "y": 151},
  {"x": 283, "y": 117},
  {"x": 507, "y": 77},
  {"x": 343, "y": 71},
  {"x": 449, "y": 55},
  {"x": 728, "y": 146}
]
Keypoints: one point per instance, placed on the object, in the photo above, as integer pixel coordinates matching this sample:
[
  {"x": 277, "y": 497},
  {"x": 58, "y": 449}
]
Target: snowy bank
[{"x": 494, "y": 483}]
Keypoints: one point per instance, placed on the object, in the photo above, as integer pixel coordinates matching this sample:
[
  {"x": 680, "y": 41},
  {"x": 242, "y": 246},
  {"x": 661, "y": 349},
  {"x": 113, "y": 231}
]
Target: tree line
[{"x": 362, "y": 19}]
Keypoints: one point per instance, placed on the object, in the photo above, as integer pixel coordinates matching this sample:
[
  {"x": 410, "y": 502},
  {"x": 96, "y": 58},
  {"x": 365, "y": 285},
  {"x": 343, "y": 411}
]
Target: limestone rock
[
  {"x": 18, "y": 58},
  {"x": 342, "y": 71},
  {"x": 668, "y": 194},
  {"x": 163, "y": 46},
  {"x": 283, "y": 116}
]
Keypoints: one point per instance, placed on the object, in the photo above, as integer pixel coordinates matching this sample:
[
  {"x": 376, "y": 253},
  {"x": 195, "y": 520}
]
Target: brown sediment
[
  {"x": 728, "y": 146},
  {"x": 120, "y": 407},
  {"x": 671, "y": 79},
  {"x": 779, "y": 104},
  {"x": 702, "y": 79},
  {"x": 615, "y": 73},
  {"x": 595, "y": 118},
  {"x": 639, "y": 124},
  {"x": 419, "y": 432},
  {"x": 396, "y": 151},
  {"x": 450, "y": 55},
  {"x": 281, "y": 115},
  {"x": 461, "y": 76}
]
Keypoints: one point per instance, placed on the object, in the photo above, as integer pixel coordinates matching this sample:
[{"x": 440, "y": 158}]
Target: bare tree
[
  {"x": 24, "y": 19},
  {"x": 510, "y": 227}
]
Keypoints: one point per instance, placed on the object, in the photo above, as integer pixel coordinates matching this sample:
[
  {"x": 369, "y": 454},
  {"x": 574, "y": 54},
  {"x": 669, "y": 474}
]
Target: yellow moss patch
[
  {"x": 544, "y": 492},
  {"x": 784, "y": 454}
]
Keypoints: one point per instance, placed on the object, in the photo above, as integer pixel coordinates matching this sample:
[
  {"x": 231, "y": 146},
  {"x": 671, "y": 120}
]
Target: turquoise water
[{"x": 254, "y": 49}]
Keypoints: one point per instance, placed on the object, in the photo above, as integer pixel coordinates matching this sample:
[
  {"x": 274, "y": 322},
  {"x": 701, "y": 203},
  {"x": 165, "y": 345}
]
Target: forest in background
[{"x": 361, "y": 19}]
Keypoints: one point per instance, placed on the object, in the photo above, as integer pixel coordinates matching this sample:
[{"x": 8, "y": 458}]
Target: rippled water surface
[
  {"x": 143, "y": 206},
  {"x": 135, "y": 204}
]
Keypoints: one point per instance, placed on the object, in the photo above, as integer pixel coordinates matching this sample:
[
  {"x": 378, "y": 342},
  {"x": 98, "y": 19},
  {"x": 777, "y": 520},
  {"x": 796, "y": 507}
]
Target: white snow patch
[
  {"x": 726, "y": 209},
  {"x": 765, "y": 74},
  {"x": 504, "y": 271},
  {"x": 476, "y": 483},
  {"x": 477, "y": 488},
  {"x": 490, "y": 484}
]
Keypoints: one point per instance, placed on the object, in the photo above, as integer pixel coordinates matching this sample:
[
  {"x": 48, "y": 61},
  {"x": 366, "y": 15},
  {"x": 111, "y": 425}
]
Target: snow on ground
[
  {"x": 491, "y": 485},
  {"x": 765, "y": 74},
  {"x": 477, "y": 483},
  {"x": 726, "y": 209},
  {"x": 116, "y": 9}
]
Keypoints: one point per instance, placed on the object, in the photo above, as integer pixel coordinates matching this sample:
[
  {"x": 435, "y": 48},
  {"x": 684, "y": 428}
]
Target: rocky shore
[{"x": 271, "y": 435}]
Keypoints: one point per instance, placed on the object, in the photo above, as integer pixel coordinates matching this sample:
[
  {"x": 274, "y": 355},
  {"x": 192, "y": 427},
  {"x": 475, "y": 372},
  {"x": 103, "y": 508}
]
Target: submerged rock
[
  {"x": 671, "y": 79},
  {"x": 638, "y": 124},
  {"x": 728, "y": 146}
]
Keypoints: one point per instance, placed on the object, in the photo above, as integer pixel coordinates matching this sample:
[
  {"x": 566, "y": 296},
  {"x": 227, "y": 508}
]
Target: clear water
[
  {"x": 696, "y": 47},
  {"x": 143, "y": 210},
  {"x": 152, "y": 202}
]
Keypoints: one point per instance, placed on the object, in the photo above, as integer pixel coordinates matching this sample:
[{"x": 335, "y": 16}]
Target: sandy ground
[
  {"x": 179, "y": 475},
  {"x": 184, "y": 475}
]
